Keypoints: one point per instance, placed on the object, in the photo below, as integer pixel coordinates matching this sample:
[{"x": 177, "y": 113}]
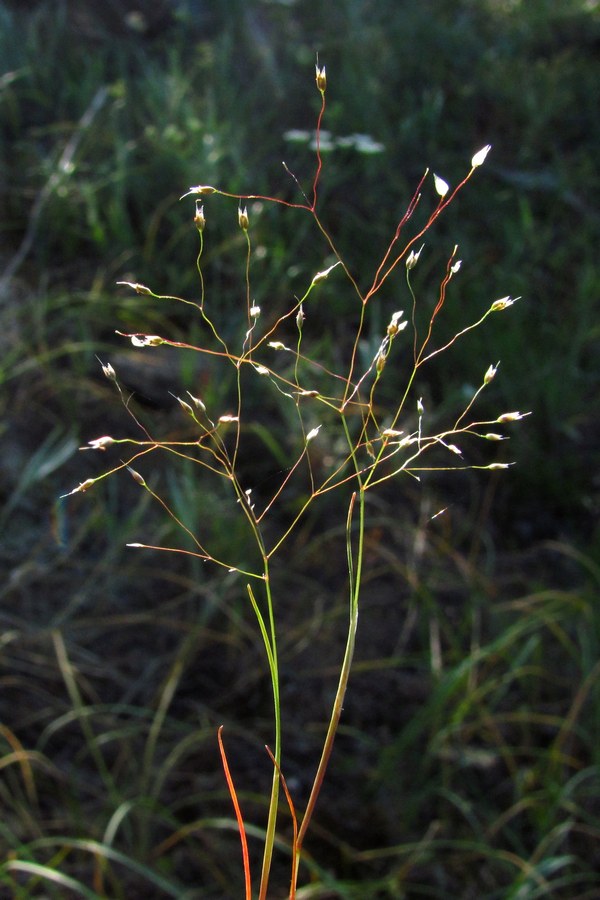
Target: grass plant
[
  {"x": 466, "y": 760},
  {"x": 363, "y": 444}
]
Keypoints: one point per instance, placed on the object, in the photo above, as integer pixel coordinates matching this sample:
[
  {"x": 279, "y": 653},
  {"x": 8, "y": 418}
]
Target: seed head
[
  {"x": 138, "y": 288},
  {"x": 413, "y": 258},
  {"x": 147, "y": 340},
  {"x": 321, "y": 276},
  {"x": 441, "y": 186},
  {"x": 197, "y": 402},
  {"x": 511, "y": 417},
  {"x": 244, "y": 221},
  {"x": 101, "y": 443},
  {"x": 321, "y": 78},
  {"x": 109, "y": 372},
  {"x": 199, "y": 189},
  {"x": 81, "y": 488},
  {"x": 136, "y": 476},
  {"x": 306, "y": 393},
  {"x": 185, "y": 406},
  {"x": 480, "y": 156},
  {"x": 490, "y": 374},
  {"x": 395, "y": 324},
  {"x": 503, "y": 303},
  {"x": 199, "y": 220}
]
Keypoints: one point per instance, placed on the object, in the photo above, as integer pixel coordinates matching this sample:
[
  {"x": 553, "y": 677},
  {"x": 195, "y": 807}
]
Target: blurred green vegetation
[{"x": 468, "y": 766}]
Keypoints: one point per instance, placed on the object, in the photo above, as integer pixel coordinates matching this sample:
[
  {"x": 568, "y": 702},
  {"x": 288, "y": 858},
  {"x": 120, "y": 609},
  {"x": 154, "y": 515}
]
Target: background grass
[{"x": 468, "y": 762}]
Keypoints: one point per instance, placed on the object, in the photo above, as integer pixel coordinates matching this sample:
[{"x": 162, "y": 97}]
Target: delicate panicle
[{"x": 269, "y": 422}]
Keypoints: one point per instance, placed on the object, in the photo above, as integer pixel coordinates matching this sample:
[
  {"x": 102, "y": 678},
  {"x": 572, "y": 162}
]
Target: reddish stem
[{"x": 238, "y": 815}]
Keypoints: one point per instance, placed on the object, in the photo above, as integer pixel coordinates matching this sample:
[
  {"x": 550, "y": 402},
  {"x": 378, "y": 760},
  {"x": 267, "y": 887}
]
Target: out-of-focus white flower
[{"x": 297, "y": 136}]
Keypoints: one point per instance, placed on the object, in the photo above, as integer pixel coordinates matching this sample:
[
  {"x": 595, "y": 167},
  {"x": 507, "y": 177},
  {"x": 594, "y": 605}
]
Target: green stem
[
  {"x": 336, "y": 712},
  {"x": 269, "y": 637}
]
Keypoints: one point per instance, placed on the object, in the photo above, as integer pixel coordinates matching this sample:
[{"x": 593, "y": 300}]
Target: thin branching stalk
[{"x": 371, "y": 439}]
